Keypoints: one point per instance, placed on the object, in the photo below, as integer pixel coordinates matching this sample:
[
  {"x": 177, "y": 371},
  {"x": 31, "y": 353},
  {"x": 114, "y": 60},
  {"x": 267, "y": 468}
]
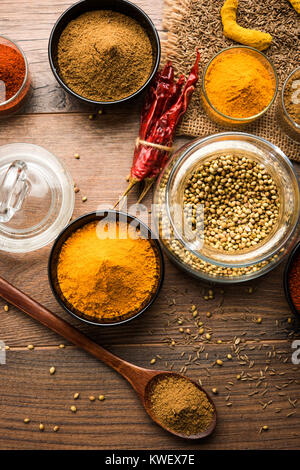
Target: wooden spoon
[{"x": 139, "y": 378}]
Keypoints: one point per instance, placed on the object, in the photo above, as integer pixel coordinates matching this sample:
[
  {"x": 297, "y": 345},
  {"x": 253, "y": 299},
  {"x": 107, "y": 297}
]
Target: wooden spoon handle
[{"x": 35, "y": 310}]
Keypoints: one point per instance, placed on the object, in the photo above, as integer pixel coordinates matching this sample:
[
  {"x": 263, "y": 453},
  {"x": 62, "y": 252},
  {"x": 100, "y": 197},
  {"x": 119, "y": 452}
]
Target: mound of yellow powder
[
  {"x": 106, "y": 273},
  {"x": 239, "y": 83}
]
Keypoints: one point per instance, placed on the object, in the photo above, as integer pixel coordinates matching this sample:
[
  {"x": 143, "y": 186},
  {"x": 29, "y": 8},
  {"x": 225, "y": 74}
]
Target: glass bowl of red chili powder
[
  {"x": 14, "y": 77},
  {"x": 292, "y": 280}
]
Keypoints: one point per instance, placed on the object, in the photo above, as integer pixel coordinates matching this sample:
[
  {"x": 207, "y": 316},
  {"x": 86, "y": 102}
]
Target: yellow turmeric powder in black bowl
[{"x": 106, "y": 268}]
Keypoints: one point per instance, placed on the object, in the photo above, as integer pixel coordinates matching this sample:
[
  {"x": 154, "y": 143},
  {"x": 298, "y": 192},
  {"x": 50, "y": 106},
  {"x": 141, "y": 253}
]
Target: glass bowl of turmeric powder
[
  {"x": 239, "y": 85},
  {"x": 14, "y": 77},
  {"x": 106, "y": 268}
]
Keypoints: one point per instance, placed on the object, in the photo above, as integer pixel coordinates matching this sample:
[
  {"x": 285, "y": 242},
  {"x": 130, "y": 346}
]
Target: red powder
[
  {"x": 12, "y": 70},
  {"x": 294, "y": 281}
]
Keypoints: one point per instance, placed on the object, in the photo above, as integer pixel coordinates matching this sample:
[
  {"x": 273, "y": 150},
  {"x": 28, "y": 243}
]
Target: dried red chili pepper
[{"x": 165, "y": 104}]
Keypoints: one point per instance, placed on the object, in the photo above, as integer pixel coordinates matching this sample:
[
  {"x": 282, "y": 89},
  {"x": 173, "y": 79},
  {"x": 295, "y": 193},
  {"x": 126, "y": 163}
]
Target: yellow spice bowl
[
  {"x": 221, "y": 118},
  {"x": 110, "y": 216}
]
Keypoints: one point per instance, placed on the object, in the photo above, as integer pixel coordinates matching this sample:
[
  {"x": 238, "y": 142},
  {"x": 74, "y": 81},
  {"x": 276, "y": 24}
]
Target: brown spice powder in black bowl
[{"x": 104, "y": 52}]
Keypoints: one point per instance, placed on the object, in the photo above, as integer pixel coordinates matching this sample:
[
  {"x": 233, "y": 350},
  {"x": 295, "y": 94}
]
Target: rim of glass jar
[
  {"x": 254, "y": 116},
  {"x": 294, "y": 123},
  {"x": 186, "y": 244},
  {"x": 4, "y": 103}
]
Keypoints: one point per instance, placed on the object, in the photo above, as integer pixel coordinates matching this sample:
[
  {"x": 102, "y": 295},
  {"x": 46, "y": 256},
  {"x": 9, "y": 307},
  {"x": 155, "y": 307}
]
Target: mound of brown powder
[
  {"x": 104, "y": 56},
  {"x": 180, "y": 405}
]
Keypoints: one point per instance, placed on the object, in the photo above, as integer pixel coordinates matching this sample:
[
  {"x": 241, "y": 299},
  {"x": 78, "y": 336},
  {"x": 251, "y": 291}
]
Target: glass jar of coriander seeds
[{"x": 227, "y": 207}]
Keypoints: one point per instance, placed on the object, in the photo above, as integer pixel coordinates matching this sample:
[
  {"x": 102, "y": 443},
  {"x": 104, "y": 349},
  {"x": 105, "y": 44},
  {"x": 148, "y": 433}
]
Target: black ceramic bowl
[
  {"x": 121, "y": 6},
  {"x": 288, "y": 266},
  {"x": 80, "y": 222}
]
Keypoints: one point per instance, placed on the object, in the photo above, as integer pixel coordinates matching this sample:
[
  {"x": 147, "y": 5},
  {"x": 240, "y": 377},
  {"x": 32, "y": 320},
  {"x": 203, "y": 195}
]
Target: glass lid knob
[{"x": 13, "y": 190}]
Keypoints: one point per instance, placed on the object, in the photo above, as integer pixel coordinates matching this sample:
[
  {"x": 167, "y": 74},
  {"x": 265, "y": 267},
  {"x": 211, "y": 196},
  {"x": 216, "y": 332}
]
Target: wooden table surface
[{"x": 105, "y": 145}]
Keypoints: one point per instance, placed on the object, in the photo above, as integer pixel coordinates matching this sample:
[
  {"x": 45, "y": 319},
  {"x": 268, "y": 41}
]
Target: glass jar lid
[{"x": 36, "y": 197}]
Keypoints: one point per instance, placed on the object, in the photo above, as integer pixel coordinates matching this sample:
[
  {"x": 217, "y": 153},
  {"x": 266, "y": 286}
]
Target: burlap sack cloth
[{"x": 197, "y": 23}]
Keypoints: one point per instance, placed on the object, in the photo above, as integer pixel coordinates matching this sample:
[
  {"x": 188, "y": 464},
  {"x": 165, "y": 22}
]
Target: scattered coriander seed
[
  {"x": 92, "y": 398},
  {"x": 7, "y": 348},
  {"x": 195, "y": 313},
  {"x": 259, "y": 320},
  {"x": 84, "y": 199},
  {"x": 100, "y": 111},
  {"x": 219, "y": 341},
  {"x": 6, "y": 308},
  {"x": 61, "y": 346},
  {"x": 265, "y": 428},
  {"x": 188, "y": 331},
  {"x": 91, "y": 117},
  {"x": 208, "y": 314},
  {"x": 76, "y": 396},
  {"x": 42, "y": 427},
  {"x": 30, "y": 347},
  {"x": 238, "y": 377},
  {"x": 73, "y": 409},
  {"x": 27, "y": 420},
  {"x": 200, "y": 323},
  {"x": 208, "y": 336},
  {"x": 201, "y": 331},
  {"x": 52, "y": 370},
  {"x": 56, "y": 428},
  {"x": 172, "y": 342},
  {"x": 215, "y": 391},
  {"x": 180, "y": 322},
  {"x": 181, "y": 330},
  {"x": 193, "y": 307},
  {"x": 76, "y": 189},
  {"x": 289, "y": 320},
  {"x": 219, "y": 362},
  {"x": 153, "y": 361},
  {"x": 77, "y": 156},
  {"x": 250, "y": 290},
  {"x": 101, "y": 397},
  {"x": 229, "y": 356}
]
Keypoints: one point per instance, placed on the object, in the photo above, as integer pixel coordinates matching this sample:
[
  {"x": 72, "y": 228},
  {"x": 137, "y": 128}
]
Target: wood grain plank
[
  {"x": 28, "y": 390},
  {"x": 105, "y": 146},
  {"x": 30, "y": 24}
]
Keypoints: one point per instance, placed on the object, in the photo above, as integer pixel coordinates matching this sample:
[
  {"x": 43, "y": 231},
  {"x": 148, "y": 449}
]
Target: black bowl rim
[
  {"x": 286, "y": 278},
  {"x": 154, "y": 296},
  {"x": 105, "y": 103}
]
